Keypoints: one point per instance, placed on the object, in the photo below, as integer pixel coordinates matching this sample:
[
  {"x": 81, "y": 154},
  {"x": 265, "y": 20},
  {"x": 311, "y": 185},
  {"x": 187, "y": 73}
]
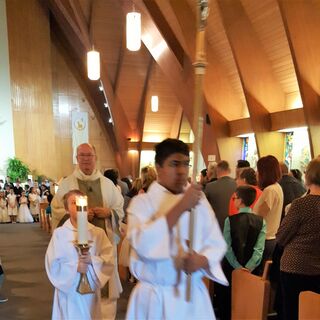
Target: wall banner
[{"x": 80, "y": 131}]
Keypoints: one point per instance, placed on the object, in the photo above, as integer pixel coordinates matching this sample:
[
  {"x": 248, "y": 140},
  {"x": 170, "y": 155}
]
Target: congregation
[{"x": 264, "y": 213}]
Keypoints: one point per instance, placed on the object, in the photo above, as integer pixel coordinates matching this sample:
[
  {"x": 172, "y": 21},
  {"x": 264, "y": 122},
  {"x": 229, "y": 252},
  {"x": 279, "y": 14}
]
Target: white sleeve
[
  {"x": 103, "y": 261},
  {"x": 61, "y": 269},
  {"x": 149, "y": 238}
]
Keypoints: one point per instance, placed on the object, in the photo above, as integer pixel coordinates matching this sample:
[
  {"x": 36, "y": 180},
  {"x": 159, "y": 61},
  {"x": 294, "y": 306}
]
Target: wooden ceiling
[{"x": 263, "y": 58}]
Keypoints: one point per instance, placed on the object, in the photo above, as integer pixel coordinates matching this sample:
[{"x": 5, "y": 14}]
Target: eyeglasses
[
  {"x": 177, "y": 164},
  {"x": 81, "y": 155}
]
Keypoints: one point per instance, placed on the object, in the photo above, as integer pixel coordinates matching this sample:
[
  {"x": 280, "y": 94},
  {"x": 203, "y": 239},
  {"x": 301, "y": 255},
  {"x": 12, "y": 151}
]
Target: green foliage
[{"x": 17, "y": 170}]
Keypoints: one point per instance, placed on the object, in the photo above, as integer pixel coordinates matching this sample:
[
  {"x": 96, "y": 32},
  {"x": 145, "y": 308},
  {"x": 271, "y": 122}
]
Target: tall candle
[{"x": 82, "y": 219}]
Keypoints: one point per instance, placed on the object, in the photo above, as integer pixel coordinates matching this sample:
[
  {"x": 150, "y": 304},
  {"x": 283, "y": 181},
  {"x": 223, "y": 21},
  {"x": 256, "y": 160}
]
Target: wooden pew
[
  {"x": 309, "y": 305},
  {"x": 42, "y": 216},
  {"x": 250, "y": 295}
]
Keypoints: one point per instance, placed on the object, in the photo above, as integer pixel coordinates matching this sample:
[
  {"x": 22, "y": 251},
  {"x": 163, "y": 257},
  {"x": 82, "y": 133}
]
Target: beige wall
[
  {"x": 40, "y": 83},
  {"x": 231, "y": 151},
  {"x": 270, "y": 143}
]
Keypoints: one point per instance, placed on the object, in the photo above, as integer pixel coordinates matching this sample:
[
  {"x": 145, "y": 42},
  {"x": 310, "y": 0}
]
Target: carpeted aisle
[{"x": 22, "y": 250}]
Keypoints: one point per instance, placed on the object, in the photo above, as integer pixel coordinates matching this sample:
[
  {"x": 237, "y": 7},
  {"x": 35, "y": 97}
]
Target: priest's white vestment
[
  {"x": 61, "y": 266},
  {"x": 156, "y": 252}
]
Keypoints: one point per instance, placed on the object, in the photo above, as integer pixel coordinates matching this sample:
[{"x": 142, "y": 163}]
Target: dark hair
[
  {"x": 204, "y": 172},
  {"x": 249, "y": 175},
  {"x": 75, "y": 192},
  {"x": 243, "y": 163},
  {"x": 168, "y": 147},
  {"x": 127, "y": 181},
  {"x": 112, "y": 175},
  {"x": 268, "y": 171},
  {"x": 297, "y": 174},
  {"x": 247, "y": 195}
]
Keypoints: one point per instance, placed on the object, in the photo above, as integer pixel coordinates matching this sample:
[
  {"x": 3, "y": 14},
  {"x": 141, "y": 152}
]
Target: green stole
[{"x": 93, "y": 191}]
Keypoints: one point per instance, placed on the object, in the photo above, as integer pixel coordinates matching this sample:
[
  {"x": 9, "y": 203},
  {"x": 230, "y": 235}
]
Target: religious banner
[{"x": 80, "y": 132}]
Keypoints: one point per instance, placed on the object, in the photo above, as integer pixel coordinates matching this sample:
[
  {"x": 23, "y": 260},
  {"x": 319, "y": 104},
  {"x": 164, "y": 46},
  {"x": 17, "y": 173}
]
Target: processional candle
[{"x": 82, "y": 219}]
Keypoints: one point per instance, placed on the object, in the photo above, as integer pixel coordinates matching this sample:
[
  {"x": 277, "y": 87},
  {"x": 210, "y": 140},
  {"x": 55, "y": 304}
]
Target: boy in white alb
[
  {"x": 64, "y": 265},
  {"x": 158, "y": 232}
]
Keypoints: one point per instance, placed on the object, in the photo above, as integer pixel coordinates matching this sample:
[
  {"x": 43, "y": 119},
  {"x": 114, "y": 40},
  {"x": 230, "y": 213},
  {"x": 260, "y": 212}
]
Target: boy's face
[
  {"x": 72, "y": 208},
  {"x": 173, "y": 173},
  {"x": 237, "y": 201}
]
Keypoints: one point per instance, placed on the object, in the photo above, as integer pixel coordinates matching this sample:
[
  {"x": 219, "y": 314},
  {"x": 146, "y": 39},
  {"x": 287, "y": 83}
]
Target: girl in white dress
[
  {"x": 3, "y": 209},
  {"x": 12, "y": 206},
  {"x": 34, "y": 199},
  {"x": 24, "y": 215}
]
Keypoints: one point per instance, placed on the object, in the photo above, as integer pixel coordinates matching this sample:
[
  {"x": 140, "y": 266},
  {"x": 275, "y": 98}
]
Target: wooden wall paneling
[
  {"x": 302, "y": 24},
  {"x": 176, "y": 124},
  {"x": 261, "y": 88},
  {"x": 31, "y": 91},
  {"x": 121, "y": 131},
  {"x": 287, "y": 119},
  {"x": 65, "y": 82},
  {"x": 180, "y": 80},
  {"x": 241, "y": 126}
]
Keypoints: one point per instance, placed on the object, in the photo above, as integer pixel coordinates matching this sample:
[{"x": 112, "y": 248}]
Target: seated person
[
  {"x": 64, "y": 265},
  {"x": 245, "y": 235}
]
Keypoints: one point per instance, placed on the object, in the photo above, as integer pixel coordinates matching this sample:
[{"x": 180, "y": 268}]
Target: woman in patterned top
[{"x": 300, "y": 238}]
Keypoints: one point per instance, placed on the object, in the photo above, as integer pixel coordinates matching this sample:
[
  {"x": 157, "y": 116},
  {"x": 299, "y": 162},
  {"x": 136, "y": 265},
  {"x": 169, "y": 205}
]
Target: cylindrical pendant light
[
  {"x": 154, "y": 103},
  {"x": 133, "y": 31},
  {"x": 93, "y": 65}
]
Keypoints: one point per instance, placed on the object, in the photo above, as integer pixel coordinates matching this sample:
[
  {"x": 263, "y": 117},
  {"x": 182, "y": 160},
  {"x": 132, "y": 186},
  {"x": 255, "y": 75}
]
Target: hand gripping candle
[{"x": 82, "y": 219}]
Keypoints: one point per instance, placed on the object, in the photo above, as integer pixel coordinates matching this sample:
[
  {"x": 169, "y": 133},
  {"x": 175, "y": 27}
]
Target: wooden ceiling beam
[
  {"x": 179, "y": 78},
  {"x": 261, "y": 88},
  {"x": 176, "y": 124},
  {"x": 302, "y": 25},
  {"x": 216, "y": 86}
]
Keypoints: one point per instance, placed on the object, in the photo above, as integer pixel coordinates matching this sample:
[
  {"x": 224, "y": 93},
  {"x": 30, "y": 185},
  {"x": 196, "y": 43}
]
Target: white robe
[
  {"x": 155, "y": 252},
  {"x": 113, "y": 199},
  {"x": 61, "y": 265}
]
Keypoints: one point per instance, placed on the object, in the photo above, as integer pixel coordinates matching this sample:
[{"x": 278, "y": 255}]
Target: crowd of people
[
  {"x": 267, "y": 213},
  {"x": 21, "y": 203}
]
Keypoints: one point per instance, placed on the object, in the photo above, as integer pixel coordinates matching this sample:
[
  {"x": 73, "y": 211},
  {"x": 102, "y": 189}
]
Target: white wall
[{"x": 6, "y": 125}]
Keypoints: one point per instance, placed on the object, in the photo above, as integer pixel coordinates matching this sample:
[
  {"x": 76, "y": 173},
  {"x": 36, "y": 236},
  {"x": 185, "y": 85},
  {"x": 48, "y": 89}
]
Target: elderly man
[{"x": 105, "y": 205}]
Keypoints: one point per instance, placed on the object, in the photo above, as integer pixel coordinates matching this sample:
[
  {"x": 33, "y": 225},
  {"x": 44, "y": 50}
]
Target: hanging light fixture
[
  {"x": 154, "y": 103},
  {"x": 93, "y": 64},
  {"x": 133, "y": 31}
]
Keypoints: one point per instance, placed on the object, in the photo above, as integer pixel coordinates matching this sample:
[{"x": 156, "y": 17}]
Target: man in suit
[{"x": 220, "y": 191}]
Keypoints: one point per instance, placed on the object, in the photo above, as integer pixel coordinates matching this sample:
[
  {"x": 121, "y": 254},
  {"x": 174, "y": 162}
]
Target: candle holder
[{"x": 84, "y": 285}]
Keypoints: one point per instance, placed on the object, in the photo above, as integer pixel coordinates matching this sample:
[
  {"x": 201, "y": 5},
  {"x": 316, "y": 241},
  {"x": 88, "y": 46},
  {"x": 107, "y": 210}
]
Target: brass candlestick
[{"x": 84, "y": 285}]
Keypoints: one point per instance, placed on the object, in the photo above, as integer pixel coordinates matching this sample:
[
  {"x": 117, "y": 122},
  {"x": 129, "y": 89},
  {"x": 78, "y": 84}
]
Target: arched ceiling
[{"x": 257, "y": 65}]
